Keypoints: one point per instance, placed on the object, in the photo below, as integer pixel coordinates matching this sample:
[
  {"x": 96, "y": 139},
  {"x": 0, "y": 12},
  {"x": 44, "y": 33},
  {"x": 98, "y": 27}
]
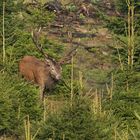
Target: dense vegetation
[{"x": 98, "y": 97}]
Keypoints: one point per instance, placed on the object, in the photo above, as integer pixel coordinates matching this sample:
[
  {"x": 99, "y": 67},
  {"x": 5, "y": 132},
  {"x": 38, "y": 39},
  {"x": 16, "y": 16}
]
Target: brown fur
[{"x": 38, "y": 72}]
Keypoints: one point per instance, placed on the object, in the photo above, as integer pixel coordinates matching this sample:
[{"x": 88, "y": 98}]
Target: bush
[
  {"x": 74, "y": 122},
  {"x": 17, "y": 100}
]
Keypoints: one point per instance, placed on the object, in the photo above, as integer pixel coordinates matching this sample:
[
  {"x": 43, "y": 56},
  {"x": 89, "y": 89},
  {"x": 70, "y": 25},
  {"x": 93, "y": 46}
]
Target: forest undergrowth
[{"x": 98, "y": 97}]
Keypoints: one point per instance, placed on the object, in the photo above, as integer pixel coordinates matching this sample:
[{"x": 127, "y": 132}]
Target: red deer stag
[{"x": 43, "y": 73}]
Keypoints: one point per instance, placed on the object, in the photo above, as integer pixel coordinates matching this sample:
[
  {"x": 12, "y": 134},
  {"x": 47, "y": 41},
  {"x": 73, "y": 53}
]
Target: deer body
[
  {"x": 40, "y": 73},
  {"x": 44, "y": 73}
]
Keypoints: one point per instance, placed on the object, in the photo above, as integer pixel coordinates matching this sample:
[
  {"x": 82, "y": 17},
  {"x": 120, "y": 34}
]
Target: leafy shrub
[
  {"x": 74, "y": 122},
  {"x": 17, "y": 99}
]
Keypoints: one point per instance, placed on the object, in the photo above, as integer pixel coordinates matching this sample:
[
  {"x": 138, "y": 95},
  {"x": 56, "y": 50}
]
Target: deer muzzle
[{"x": 58, "y": 77}]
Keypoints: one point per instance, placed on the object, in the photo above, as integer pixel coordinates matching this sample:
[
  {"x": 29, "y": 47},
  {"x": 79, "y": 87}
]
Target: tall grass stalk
[
  {"x": 100, "y": 105},
  {"x": 19, "y": 110},
  {"x": 111, "y": 88},
  {"x": 96, "y": 101},
  {"x": 44, "y": 109},
  {"x": 70, "y": 37},
  {"x": 63, "y": 138},
  {"x": 134, "y": 136},
  {"x": 33, "y": 138},
  {"x": 131, "y": 34},
  {"x": 3, "y": 31},
  {"x": 81, "y": 82},
  {"x": 107, "y": 88},
  {"x": 120, "y": 60},
  {"x": 137, "y": 115},
  {"x": 127, "y": 133},
  {"x": 89, "y": 93},
  {"x": 72, "y": 78},
  {"x": 127, "y": 85},
  {"x": 115, "y": 134},
  {"x": 109, "y": 91},
  {"x": 97, "y": 105},
  {"x": 27, "y": 126}
]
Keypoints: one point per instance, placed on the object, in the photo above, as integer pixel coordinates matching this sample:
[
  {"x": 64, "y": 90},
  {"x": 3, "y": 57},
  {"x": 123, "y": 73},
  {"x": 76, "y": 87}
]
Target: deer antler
[
  {"x": 35, "y": 36},
  {"x": 67, "y": 58}
]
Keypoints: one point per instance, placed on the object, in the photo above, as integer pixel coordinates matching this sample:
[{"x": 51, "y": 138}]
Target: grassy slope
[
  {"x": 95, "y": 65},
  {"x": 93, "y": 36}
]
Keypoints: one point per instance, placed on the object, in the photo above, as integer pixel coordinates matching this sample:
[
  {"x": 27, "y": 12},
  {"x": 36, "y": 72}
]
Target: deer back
[{"x": 34, "y": 70}]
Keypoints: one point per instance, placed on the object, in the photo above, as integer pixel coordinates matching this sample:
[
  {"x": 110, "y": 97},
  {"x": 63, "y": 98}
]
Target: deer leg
[{"x": 42, "y": 93}]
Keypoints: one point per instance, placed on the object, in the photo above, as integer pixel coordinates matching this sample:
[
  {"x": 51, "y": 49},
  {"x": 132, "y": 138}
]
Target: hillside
[{"x": 69, "y": 70}]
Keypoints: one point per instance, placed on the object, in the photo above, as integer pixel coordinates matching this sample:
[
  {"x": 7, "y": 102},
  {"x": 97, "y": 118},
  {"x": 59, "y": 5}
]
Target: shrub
[{"x": 17, "y": 100}]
